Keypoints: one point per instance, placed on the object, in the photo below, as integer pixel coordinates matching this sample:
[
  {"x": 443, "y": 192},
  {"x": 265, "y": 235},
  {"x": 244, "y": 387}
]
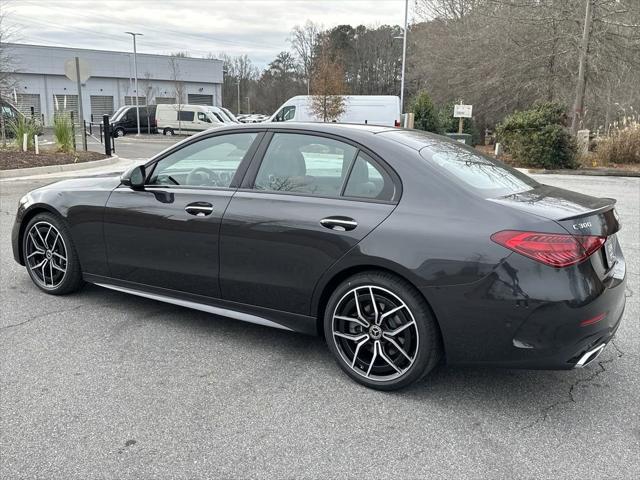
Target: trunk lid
[{"x": 579, "y": 214}]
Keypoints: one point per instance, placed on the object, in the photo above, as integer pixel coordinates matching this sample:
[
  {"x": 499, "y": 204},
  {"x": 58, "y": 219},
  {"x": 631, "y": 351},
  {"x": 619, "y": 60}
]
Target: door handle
[
  {"x": 339, "y": 224},
  {"x": 199, "y": 209}
]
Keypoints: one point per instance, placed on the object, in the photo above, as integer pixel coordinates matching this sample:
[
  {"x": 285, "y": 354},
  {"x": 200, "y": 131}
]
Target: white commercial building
[{"x": 43, "y": 88}]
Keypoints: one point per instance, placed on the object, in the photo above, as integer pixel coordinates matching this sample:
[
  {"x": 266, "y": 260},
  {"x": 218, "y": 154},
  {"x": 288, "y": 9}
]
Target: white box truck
[{"x": 373, "y": 109}]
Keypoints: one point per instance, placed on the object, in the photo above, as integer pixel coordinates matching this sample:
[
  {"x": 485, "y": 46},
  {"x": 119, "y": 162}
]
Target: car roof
[{"x": 316, "y": 127}]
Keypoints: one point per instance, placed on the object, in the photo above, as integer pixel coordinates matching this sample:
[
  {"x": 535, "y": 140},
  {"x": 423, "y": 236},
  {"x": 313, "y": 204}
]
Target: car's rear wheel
[
  {"x": 50, "y": 256},
  {"x": 381, "y": 331},
  {"x": 167, "y": 131}
]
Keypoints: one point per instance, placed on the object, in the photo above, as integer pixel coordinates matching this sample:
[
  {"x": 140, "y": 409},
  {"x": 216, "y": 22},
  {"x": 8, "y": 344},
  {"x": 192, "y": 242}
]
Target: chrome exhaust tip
[{"x": 590, "y": 356}]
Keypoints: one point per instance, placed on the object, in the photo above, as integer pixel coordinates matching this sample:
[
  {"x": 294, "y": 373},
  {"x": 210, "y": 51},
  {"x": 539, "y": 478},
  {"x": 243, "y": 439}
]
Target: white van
[
  {"x": 185, "y": 119},
  {"x": 374, "y": 109},
  {"x": 220, "y": 114}
]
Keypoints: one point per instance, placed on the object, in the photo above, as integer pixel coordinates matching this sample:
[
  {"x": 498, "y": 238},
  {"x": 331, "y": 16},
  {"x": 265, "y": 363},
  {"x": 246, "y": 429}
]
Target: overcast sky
[{"x": 259, "y": 28}]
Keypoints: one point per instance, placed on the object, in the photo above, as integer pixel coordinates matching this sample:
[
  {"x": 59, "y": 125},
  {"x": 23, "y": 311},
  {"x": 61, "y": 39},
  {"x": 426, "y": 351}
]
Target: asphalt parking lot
[{"x": 104, "y": 385}]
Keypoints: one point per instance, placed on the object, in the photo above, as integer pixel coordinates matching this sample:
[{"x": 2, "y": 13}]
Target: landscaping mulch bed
[{"x": 12, "y": 158}]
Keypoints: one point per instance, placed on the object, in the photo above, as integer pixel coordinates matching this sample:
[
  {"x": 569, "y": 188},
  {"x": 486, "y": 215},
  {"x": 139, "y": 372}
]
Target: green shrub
[
  {"x": 622, "y": 146},
  {"x": 21, "y": 125},
  {"x": 63, "y": 131},
  {"x": 538, "y": 138},
  {"x": 425, "y": 114}
]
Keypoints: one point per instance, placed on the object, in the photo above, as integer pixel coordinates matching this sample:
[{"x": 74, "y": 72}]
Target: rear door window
[{"x": 305, "y": 164}]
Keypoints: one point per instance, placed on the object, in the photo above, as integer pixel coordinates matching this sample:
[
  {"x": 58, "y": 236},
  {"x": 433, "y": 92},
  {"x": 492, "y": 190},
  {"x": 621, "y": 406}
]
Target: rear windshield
[{"x": 487, "y": 176}]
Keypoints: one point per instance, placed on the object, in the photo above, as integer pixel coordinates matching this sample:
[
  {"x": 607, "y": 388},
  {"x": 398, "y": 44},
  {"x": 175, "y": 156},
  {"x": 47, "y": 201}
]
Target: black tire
[
  {"x": 60, "y": 283},
  {"x": 119, "y": 132},
  {"x": 167, "y": 131},
  {"x": 422, "y": 353}
]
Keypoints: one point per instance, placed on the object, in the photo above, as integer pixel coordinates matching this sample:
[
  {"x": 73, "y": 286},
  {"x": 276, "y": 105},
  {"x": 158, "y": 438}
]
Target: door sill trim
[{"x": 245, "y": 317}]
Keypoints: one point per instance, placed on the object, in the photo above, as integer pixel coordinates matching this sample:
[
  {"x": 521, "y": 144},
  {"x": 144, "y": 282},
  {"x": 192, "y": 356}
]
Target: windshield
[
  {"x": 230, "y": 114},
  {"x": 487, "y": 176},
  {"x": 219, "y": 115},
  {"x": 117, "y": 115}
]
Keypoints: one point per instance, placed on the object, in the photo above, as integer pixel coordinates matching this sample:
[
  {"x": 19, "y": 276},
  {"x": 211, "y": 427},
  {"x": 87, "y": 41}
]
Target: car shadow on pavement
[{"x": 525, "y": 397}]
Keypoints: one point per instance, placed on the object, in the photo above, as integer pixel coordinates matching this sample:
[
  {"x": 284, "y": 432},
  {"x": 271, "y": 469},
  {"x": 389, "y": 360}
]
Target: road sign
[
  {"x": 70, "y": 70},
  {"x": 462, "y": 111}
]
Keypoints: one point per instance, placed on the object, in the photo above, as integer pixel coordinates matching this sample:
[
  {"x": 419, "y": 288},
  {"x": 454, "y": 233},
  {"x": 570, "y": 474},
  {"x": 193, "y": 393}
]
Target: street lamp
[
  {"x": 238, "y": 94},
  {"x": 404, "y": 53},
  {"x": 135, "y": 73}
]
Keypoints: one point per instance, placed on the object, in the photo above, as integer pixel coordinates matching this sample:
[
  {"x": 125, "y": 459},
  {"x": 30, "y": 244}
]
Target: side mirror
[{"x": 134, "y": 178}]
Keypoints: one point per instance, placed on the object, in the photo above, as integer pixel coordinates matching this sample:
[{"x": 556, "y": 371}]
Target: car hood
[
  {"x": 555, "y": 203},
  {"x": 107, "y": 181}
]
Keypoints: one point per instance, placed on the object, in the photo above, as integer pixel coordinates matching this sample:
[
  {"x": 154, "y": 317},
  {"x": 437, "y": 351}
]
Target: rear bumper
[{"x": 526, "y": 316}]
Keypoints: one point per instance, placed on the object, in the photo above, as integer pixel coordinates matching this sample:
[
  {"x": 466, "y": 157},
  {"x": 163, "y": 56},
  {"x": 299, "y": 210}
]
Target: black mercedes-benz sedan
[{"x": 399, "y": 247}]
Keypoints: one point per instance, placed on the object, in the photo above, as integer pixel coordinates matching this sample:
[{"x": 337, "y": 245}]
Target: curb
[
  {"x": 26, "y": 172},
  {"x": 594, "y": 172}
]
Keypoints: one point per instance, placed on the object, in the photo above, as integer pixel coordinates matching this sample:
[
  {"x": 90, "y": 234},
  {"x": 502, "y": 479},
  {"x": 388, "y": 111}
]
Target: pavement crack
[
  {"x": 546, "y": 411},
  {"x": 39, "y": 316}
]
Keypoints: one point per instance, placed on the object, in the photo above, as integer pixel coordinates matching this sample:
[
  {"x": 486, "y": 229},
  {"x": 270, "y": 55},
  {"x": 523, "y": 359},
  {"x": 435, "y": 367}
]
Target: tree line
[{"x": 499, "y": 55}]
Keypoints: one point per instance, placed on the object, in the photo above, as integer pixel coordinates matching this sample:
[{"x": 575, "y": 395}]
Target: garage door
[
  {"x": 101, "y": 105},
  {"x": 66, "y": 103},
  {"x": 131, "y": 100},
  {"x": 25, "y": 101},
  {"x": 165, "y": 100},
  {"x": 196, "y": 99}
]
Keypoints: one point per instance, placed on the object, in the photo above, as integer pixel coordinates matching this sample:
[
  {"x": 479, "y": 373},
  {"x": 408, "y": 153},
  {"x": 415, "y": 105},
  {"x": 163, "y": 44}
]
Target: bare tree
[
  {"x": 147, "y": 89},
  {"x": 178, "y": 87},
  {"x": 304, "y": 41},
  {"x": 504, "y": 55},
  {"x": 7, "y": 64},
  {"x": 328, "y": 87}
]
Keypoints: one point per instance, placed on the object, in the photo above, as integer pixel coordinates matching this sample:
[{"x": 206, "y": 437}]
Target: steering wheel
[{"x": 195, "y": 177}]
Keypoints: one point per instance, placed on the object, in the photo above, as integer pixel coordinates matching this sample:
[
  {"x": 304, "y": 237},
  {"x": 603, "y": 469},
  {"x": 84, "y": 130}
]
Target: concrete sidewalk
[{"x": 115, "y": 164}]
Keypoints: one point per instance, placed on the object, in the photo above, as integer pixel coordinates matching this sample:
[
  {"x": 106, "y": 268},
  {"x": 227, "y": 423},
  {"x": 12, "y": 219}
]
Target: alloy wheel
[
  {"x": 375, "y": 333},
  {"x": 46, "y": 255}
]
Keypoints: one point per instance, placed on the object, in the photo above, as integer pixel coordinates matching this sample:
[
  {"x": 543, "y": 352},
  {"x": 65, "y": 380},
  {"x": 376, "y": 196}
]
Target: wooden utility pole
[{"x": 578, "y": 105}]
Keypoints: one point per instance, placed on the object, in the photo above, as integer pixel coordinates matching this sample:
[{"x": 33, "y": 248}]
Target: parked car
[
  {"x": 185, "y": 119},
  {"x": 253, "y": 118},
  {"x": 371, "y": 109},
  {"x": 399, "y": 247},
  {"x": 9, "y": 114},
  {"x": 125, "y": 120}
]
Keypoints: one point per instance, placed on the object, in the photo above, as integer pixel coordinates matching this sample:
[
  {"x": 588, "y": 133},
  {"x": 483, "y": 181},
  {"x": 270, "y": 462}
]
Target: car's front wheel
[
  {"x": 50, "y": 256},
  {"x": 119, "y": 132},
  {"x": 381, "y": 331},
  {"x": 167, "y": 131}
]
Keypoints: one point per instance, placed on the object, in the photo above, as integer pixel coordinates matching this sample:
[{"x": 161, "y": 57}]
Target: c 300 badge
[{"x": 582, "y": 226}]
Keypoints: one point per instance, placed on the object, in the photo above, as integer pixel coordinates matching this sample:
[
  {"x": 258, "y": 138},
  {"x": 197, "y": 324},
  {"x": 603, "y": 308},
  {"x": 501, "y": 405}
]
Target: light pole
[
  {"x": 404, "y": 54},
  {"x": 135, "y": 73},
  {"x": 238, "y": 94}
]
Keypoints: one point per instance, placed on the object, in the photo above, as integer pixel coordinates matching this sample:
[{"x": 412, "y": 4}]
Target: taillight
[
  {"x": 396, "y": 123},
  {"x": 556, "y": 250}
]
